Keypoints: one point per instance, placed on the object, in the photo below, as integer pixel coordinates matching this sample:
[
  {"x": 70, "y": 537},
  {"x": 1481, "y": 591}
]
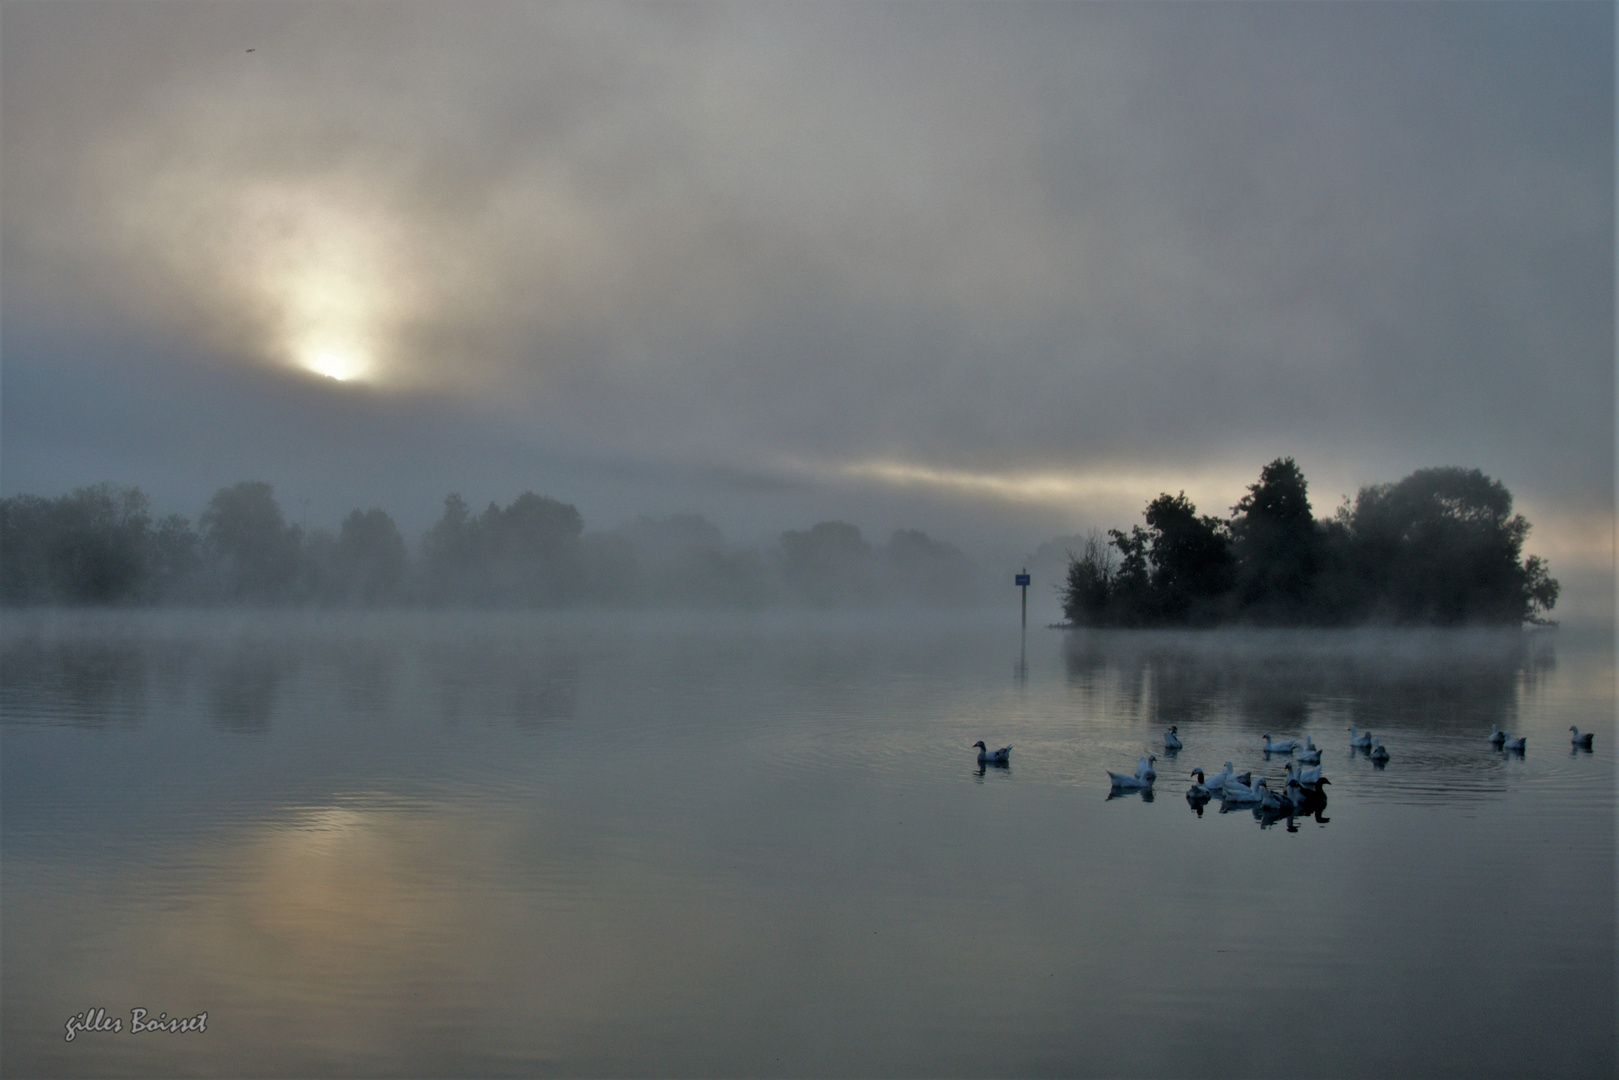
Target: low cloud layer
[{"x": 984, "y": 269}]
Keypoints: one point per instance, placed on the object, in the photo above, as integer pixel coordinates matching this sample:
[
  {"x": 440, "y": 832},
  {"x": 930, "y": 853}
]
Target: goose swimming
[
  {"x": 1242, "y": 795},
  {"x": 1517, "y": 744},
  {"x": 1199, "y": 789},
  {"x": 1144, "y": 769},
  {"x": 1380, "y": 752},
  {"x": 986, "y": 756},
  {"x": 1122, "y": 782},
  {"x": 1303, "y": 777},
  {"x": 1294, "y": 798},
  {"x": 1581, "y": 741},
  {"x": 1171, "y": 740},
  {"x": 1497, "y": 736},
  {"x": 1217, "y": 781},
  {"x": 1363, "y": 741},
  {"x": 1311, "y": 754},
  {"x": 1286, "y": 746}
]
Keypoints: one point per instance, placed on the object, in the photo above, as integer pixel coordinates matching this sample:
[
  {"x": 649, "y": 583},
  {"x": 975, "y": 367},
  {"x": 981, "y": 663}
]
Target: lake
[{"x": 430, "y": 844}]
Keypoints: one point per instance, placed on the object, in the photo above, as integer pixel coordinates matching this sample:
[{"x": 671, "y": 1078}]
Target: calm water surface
[{"x": 417, "y": 844}]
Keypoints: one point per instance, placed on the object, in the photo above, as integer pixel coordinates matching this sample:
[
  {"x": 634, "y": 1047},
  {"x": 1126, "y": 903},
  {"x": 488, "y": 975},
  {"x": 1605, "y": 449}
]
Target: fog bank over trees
[
  {"x": 1440, "y": 547},
  {"x": 100, "y": 545}
]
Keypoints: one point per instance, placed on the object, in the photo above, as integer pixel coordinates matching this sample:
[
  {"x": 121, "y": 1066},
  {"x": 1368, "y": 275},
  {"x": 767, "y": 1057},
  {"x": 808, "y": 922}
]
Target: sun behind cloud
[
  {"x": 334, "y": 363},
  {"x": 325, "y": 277}
]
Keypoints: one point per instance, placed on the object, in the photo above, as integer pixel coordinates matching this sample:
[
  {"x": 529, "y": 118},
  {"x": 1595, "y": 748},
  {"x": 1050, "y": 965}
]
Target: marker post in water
[{"x": 1022, "y": 580}]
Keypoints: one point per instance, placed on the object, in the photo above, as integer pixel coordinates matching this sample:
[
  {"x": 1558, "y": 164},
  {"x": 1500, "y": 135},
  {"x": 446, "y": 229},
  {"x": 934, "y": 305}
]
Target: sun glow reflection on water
[{"x": 601, "y": 845}]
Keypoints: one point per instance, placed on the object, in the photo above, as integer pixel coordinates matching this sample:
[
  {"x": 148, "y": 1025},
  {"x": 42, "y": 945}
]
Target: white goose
[
  {"x": 1268, "y": 799},
  {"x": 1144, "y": 769},
  {"x": 1217, "y": 781},
  {"x": 1295, "y": 798},
  {"x": 1581, "y": 741},
  {"x": 1286, "y": 746},
  {"x": 1311, "y": 754},
  {"x": 1124, "y": 782},
  {"x": 1171, "y": 740},
  {"x": 1303, "y": 777},
  {"x": 1362, "y": 741},
  {"x": 1380, "y": 753},
  {"x": 1497, "y": 736},
  {"x": 986, "y": 756},
  {"x": 1517, "y": 744},
  {"x": 1240, "y": 794}
]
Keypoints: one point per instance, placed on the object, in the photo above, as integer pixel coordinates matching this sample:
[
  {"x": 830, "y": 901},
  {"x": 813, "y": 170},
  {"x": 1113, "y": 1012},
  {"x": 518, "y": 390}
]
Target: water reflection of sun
[{"x": 335, "y": 881}]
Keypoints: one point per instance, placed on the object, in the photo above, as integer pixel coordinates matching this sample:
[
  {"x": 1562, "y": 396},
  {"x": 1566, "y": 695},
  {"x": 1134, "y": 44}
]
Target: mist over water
[
  {"x": 498, "y": 505},
  {"x": 509, "y": 843}
]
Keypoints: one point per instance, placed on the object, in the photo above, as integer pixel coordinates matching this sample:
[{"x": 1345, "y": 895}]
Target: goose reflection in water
[
  {"x": 1298, "y": 803},
  {"x": 998, "y": 766},
  {"x": 1198, "y": 796}
]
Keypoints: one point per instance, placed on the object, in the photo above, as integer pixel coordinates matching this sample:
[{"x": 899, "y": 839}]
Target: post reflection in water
[{"x": 457, "y": 844}]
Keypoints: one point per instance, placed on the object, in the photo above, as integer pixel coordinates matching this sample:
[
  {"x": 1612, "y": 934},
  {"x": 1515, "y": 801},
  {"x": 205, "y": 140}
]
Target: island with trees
[{"x": 1440, "y": 547}]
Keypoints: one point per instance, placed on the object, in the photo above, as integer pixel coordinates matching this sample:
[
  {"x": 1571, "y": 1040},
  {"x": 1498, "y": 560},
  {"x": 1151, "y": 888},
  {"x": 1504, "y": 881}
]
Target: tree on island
[
  {"x": 1441, "y": 547},
  {"x": 1177, "y": 570},
  {"x": 1277, "y": 546}
]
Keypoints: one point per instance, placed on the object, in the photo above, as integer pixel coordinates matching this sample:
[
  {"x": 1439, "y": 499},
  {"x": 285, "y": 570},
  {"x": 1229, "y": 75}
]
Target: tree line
[
  {"x": 1440, "y": 547},
  {"x": 101, "y": 545}
]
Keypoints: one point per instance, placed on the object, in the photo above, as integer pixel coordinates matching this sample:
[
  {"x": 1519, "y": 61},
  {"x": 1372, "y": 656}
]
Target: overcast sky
[{"x": 999, "y": 271}]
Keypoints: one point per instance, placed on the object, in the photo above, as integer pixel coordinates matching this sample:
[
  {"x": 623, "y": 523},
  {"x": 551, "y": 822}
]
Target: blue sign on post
[{"x": 1022, "y": 579}]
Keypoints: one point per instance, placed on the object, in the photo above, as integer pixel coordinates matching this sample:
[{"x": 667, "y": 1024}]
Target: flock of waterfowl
[{"x": 1302, "y": 792}]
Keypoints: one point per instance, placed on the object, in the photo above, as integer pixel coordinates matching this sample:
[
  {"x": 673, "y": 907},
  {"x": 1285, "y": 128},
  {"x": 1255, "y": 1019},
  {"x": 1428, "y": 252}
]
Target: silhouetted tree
[
  {"x": 1276, "y": 544},
  {"x": 1132, "y": 602},
  {"x": 450, "y": 558},
  {"x": 1088, "y": 594},
  {"x": 256, "y": 553},
  {"x": 1191, "y": 560},
  {"x": 532, "y": 547},
  {"x": 369, "y": 560},
  {"x": 92, "y": 546},
  {"x": 99, "y": 552},
  {"x": 95, "y": 545},
  {"x": 25, "y": 538},
  {"x": 1442, "y": 546},
  {"x": 175, "y": 559}
]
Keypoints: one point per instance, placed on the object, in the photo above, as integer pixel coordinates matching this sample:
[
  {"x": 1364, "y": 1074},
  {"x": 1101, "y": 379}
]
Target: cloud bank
[{"x": 989, "y": 269}]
